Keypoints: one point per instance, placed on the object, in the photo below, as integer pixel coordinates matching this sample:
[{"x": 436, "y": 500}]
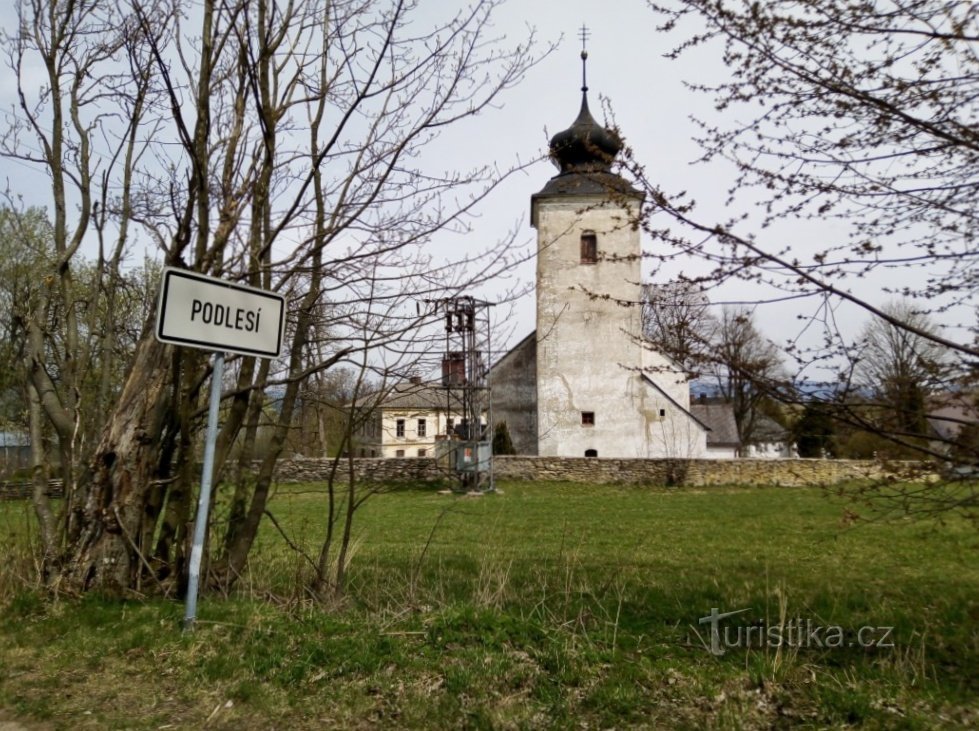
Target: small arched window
[
  {"x": 591, "y": 452},
  {"x": 589, "y": 248}
]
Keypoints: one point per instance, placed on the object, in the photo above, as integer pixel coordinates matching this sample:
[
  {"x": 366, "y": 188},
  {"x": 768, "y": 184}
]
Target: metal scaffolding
[{"x": 465, "y": 379}]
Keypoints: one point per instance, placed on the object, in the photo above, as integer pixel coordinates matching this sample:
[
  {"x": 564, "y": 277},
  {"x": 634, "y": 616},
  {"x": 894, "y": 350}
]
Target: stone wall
[
  {"x": 692, "y": 472},
  {"x": 514, "y": 379},
  {"x": 367, "y": 470},
  {"x": 696, "y": 472}
]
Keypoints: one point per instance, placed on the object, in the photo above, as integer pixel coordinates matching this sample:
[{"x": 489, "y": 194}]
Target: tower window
[
  {"x": 591, "y": 452},
  {"x": 588, "y": 418},
  {"x": 589, "y": 248},
  {"x": 662, "y": 412}
]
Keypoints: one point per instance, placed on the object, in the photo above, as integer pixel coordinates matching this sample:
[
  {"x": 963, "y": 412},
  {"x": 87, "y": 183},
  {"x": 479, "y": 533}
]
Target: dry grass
[{"x": 546, "y": 606}]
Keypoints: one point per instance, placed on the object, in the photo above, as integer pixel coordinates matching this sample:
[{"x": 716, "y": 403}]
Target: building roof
[
  {"x": 593, "y": 183},
  {"x": 420, "y": 396},
  {"x": 703, "y": 425},
  {"x": 584, "y": 153},
  {"x": 767, "y": 430},
  {"x": 950, "y": 412},
  {"x": 531, "y": 336},
  {"x": 720, "y": 419}
]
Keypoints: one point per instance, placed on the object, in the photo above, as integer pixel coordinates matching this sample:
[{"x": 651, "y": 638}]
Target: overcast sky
[{"x": 627, "y": 72}]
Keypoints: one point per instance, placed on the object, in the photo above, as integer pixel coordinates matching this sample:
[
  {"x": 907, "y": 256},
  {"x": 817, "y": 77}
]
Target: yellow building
[{"x": 407, "y": 423}]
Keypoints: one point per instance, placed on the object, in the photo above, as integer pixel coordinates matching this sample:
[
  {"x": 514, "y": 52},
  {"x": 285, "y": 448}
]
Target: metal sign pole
[{"x": 204, "y": 501}]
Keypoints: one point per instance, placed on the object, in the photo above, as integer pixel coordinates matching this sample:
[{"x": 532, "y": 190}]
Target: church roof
[
  {"x": 584, "y": 153},
  {"x": 530, "y": 337},
  {"x": 704, "y": 425},
  {"x": 585, "y": 146},
  {"x": 595, "y": 183}
]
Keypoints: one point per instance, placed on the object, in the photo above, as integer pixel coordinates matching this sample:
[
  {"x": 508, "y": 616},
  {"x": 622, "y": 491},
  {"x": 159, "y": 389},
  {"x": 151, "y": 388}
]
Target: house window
[
  {"x": 422, "y": 428},
  {"x": 422, "y": 452},
  {"x": 399, "y": 428},
  {"x": 588, "y": 418},
  {"x": 363, "y": 452},
  {"x": 589, "y": 248},
  {"x": 399, "y": 453},
  {"x": 591, "y": 452},
  {"x": 449, "y": 423}
]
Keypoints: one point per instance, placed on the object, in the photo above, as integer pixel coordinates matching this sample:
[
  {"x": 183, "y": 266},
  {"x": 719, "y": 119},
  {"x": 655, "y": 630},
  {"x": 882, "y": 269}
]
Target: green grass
[{"x": 544, "y": 606}]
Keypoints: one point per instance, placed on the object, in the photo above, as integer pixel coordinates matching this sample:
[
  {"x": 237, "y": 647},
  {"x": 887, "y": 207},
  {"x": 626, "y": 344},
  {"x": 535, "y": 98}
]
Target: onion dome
[
  {"x": 585, "y": 146},
  {"x": 584, "y": 153}
]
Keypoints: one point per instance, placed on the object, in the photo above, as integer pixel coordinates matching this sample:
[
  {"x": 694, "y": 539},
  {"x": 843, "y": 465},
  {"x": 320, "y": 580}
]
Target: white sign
[{"x": 204, "y": 312}]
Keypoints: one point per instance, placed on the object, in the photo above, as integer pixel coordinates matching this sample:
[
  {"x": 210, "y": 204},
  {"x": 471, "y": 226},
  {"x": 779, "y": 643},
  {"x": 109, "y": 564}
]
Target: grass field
[{"x": 544, "y": 606}]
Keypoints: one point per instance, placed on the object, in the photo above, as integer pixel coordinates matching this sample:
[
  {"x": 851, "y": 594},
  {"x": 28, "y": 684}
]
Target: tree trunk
[
  {"x": 105, "y": 557},
  {"x": 39, "y": 474}
]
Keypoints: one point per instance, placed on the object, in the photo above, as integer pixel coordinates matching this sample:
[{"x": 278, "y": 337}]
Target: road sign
[
  {"x": 208, "y": 313},
  {"x": 203, "y": 312}
]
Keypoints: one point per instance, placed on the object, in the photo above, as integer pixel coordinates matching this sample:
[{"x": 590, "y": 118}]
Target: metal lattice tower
[{"x": 465, "y": 371}]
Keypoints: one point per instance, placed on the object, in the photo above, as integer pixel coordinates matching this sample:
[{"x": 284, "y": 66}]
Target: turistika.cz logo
[{"x": 795, "y": 633}]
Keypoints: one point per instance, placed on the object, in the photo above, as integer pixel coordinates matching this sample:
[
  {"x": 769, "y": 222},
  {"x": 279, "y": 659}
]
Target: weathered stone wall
[
  {"x": 398, "y": 469},
  {"x": 690, "y": 472},
  {"x": 514, "y": 380},
  {"x": 696, "y": 472}
]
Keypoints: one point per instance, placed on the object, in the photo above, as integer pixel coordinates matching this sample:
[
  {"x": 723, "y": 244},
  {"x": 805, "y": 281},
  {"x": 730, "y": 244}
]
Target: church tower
[{"x": 600, "y": 392}]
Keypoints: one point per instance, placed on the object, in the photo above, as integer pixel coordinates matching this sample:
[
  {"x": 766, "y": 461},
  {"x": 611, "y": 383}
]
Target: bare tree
[
  {"x": 901, "y": 369},
  {"x": 277, "y": 144},
  {"x": 858, "y": 112},
  {"x": 677, "y": 321},
  {"x": 747, "y": 368}
]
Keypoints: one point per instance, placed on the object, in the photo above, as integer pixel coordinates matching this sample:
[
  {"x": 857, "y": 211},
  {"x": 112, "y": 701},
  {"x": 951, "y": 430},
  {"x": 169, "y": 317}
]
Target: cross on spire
[{"x": 583, "y": 34}]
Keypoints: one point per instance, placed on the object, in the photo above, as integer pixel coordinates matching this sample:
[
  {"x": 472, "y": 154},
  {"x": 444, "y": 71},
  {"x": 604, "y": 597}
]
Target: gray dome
[{"x": 585, "y": 146}]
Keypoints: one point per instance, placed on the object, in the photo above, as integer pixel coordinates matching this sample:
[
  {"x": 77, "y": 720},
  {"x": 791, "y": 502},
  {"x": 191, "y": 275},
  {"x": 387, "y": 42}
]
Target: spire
[{"x": 586, "y": 146}]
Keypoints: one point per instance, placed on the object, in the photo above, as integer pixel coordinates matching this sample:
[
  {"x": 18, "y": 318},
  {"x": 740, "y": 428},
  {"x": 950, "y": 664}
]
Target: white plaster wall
[
  {"x": 770, "y": 450},
  {"x": 589, "y": 357},
  {"x": 721, "y": 453},
  {"x": 670, "y": 431},
  {"x": 410, "y": 442}
]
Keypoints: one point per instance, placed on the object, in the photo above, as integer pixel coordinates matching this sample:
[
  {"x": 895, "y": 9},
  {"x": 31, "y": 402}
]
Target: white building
[
  {"x": 722, "y": 440},
  {"x": 584, "y": 384},
  {"x": 408, "y": 422}
]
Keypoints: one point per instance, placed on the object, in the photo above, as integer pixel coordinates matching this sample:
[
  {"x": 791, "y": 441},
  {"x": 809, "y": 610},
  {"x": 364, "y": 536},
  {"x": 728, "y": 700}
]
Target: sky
[
  {"x": 627, "y": 74},
  {"x": 629, "y": 77},
  {"x": 626, "y": 71}
]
